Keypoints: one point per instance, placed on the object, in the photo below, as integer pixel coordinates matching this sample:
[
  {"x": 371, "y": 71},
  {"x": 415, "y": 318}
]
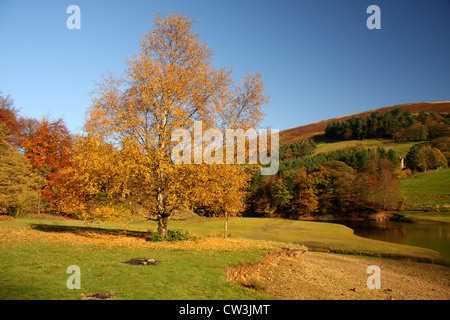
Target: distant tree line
[
  {"x": 397, "y": 125},
  {"x": 353, "y": 181},
  {"x": 32, "y": 155},
  {"x": 297, "y": 149},
  {"x": 357, "y": 158},
  {"x": 344, "y": 183}
]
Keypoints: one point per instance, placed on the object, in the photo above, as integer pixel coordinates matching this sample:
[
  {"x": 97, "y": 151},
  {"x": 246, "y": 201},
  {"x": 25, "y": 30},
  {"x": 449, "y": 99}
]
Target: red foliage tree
[
  {"x": 9, "y": 117},
  {"x": 48, "y": 145}
]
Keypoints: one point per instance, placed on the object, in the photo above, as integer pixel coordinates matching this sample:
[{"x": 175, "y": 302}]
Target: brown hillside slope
[{"x": 317, "y": 129}]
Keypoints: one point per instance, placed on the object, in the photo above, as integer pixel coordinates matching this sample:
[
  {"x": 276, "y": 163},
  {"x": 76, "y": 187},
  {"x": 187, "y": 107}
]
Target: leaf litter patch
[
  {"x": 141, "y": 262},
  {"x": 99, "y": 296}
]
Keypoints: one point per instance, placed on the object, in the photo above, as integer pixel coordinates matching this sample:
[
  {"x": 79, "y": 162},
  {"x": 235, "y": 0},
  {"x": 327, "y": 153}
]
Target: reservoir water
[{"x": 426, "y": 234}]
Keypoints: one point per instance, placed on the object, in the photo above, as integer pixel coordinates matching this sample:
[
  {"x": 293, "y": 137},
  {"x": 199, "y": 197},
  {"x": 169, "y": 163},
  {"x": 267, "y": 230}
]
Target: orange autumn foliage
[
  {"x": 47, "y": 146},
  {"x": 168, "y": 84}
]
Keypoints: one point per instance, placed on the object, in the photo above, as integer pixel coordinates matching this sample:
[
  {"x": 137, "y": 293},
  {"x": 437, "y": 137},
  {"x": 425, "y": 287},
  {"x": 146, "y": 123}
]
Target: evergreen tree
[{"x": 411, "y": 158}]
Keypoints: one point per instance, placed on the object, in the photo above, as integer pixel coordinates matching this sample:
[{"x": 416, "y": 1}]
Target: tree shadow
[{"x": 89, "y": 231}]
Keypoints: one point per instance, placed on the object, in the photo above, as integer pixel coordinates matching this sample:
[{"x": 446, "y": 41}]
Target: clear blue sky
[{"x": 318, "y": 58}]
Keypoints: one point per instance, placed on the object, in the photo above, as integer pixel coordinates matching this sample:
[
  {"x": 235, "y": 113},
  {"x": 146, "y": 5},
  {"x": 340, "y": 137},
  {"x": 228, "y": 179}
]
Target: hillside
[
  {"x": 317, "y": 129},
  {"x": 400, "y": 148},
  {"x": 427, "y": 191}
]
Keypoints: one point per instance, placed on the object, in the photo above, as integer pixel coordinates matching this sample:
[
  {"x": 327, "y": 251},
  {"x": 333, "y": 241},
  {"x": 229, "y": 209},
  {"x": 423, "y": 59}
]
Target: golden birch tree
[
  {"x": 222, "y": 188},
  {"x": 168, "y": 85}
]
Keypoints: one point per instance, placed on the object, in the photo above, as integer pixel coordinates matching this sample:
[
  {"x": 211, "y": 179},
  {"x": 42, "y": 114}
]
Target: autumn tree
[
  {"x": 292, "y": 193},
  {"x": 443, "y": 144},
  {"x": 18, "y": 183},
  {"x": 340, "y": 189},
  {"x": 170, "y": 83},
  {"x": 10, "y": 119},
  {"x": 281, "y": 194},
  {"x": 425, "y": 157},
  {"x": 430, "y": 158},
  {"x": 384, "y": 184},
  {"x": 47, "y": 145},
  {"x": 82, "y": 182},
  {"x": 306, "y": 202},
  {"x": 96, "y": 183},
  {"x": 336, "y": 195},
  {"x": 221, "y": 188}
]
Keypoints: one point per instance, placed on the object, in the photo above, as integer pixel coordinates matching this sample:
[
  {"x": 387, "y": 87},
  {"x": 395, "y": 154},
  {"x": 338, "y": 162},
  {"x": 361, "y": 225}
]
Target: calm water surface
[{"x": 432, "y": 235}]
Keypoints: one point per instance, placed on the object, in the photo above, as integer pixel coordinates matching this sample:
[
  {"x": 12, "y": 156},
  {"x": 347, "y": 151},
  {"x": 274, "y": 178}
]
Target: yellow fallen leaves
[{"x": 13, "y": 235}]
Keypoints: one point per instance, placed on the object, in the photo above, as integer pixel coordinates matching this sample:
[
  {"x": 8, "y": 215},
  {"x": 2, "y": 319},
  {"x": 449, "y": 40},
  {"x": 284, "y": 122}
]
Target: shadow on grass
[{"x": 89, "y": 231}]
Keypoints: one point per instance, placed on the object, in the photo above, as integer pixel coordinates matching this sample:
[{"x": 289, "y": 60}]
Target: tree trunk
[
  {"x": 39, "y": 204},
  {"x": 163, "y": 217},
  {"x": 225, "y": 227},
  {"x": 162, "y": 225}
]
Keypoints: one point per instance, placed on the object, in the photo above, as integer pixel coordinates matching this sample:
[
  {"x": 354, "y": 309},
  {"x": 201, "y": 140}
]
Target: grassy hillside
[
  {"x": 318, "y": 128},
  {"x": 429, "y": 190},
  {"x": 400, "y": 148}
]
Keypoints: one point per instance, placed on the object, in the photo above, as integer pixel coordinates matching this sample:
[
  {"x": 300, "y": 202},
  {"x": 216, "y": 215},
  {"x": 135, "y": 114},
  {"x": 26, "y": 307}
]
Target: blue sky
[{"x": 318, "y": 58}]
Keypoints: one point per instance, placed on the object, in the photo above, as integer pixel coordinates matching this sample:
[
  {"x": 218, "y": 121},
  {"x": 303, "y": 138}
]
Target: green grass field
[
  {"x": 429, "y": 190},
  {"x": 400, "y": 148},
  {"x": 33, "y": 266},
  {"x": 34, "y": 256}
]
